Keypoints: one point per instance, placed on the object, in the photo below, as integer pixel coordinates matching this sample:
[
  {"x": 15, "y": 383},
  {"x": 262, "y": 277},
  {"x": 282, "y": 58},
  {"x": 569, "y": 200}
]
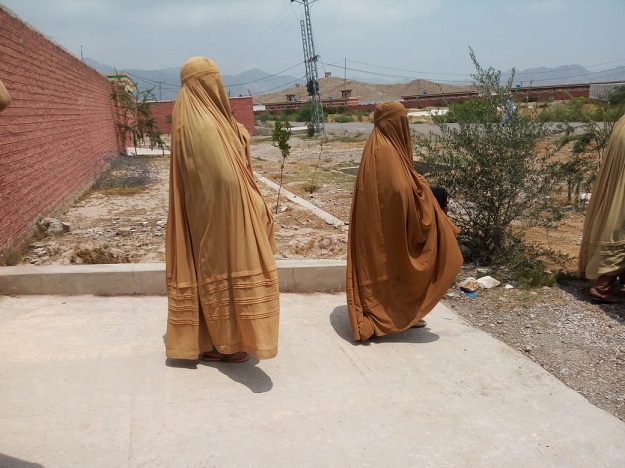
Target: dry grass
[
  {"x": 309, "y": 187},
  {"x": 305, "y": 248},
  {"x": 126, "y": 175},
  {"x": 99, "y": 255},
  {"x": 122, "y": 191},
  {"x": 10, "y": 257}
]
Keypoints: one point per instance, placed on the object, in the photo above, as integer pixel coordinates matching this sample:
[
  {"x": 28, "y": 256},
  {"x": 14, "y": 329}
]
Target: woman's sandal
[
  {"x": 235, "y": 358},
  {"x": 604, "y": 298},
  {"x": 420, "y": 324}
]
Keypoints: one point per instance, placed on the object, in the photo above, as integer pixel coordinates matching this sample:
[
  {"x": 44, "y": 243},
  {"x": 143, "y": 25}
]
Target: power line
[
  {"x": 273, "y": 76},
  {"x": 577, "y": 76},
  {"x": 464, "y": 74},
  {"x": 264, "y": 37},
  {"x": 153, "y": 81},
  {"x": 409, "y": 71},
  {"x": 469, "y": 78},
  {"x": 286, "y": 85},
  {"x": 267, "y": 77},
  {"x": 388, "y": 75}
]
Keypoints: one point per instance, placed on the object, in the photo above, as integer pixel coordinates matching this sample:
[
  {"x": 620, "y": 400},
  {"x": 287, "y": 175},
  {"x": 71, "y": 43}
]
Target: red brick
[{"x": 57, "y": 133}]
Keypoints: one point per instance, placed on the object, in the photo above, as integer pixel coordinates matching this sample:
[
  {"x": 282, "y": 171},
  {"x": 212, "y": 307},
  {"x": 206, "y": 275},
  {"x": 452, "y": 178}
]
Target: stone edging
[{"x": 149, "y": 278}]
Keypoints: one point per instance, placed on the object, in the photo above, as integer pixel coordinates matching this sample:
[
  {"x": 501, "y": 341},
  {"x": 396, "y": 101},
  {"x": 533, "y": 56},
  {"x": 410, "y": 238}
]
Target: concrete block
[{"x": 149, "y": 278}]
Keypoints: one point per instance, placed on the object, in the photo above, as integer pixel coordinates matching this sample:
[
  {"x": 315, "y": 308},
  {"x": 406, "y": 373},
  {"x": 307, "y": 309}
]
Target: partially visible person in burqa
[
  {"x": 222, "y": 279},
  {"x": 5, "y": 97},
  {"x": 402, "y": 250},
  {"x": 602, "y": 253}
]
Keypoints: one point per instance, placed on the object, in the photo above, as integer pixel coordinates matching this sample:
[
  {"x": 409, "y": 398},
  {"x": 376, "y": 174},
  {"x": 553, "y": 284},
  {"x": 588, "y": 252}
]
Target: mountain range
[
  {"x": 565, "y": 74},
  {"x": 265, "y": 87},
  {"x": 165, "y": 83}
]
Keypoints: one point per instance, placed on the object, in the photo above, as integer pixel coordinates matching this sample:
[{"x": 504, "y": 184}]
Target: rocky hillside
[{"x": 366, "y": 92}]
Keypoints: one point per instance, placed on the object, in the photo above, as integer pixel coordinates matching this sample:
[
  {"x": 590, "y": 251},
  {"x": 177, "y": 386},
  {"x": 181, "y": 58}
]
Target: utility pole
[
  {"x": 310, "y": 61},
  {"x": 345, "y": 93}
]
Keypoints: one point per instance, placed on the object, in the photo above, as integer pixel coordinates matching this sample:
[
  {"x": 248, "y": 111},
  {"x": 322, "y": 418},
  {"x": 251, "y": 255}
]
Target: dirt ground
[{"x": 123, "y": 220}]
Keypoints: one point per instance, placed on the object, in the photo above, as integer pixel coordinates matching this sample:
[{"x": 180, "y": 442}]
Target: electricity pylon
[{"x": 310, "y": 61}]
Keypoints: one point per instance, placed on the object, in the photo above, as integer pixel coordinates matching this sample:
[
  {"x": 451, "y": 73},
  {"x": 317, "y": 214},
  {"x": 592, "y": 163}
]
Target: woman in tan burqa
[
  {"x": 602, "y": 253},
  {"x": 402, "y": 250},
  {"x": 222, "y": 279}
]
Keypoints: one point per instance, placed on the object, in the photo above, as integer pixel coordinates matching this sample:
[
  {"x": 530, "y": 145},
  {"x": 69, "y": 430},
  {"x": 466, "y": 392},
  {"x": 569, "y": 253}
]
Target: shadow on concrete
[
  {"x": 181, "y": 363},
  {"x": 10, "y": 462},
  {"x": 245, "y": 373},
  {"x": 579, "y": 290},
  {"x": 340, "y": 322}
]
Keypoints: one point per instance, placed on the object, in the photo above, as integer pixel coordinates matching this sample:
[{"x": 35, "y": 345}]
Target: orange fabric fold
[
  {"x": 222, "y": 278},
  {"x": 5, "y": 97},
  {"x": 402, "y": 249}
]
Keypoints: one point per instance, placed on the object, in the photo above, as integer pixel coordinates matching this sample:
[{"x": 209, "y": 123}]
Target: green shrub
[
  {"x": 280, "y": 136},
  {"x": 305, "y": 113},
  {"x": 343, "y": 119},
  {"x": 617, "y": 96},
  {"x": 500, "y": 180},
  {"x": 475, "y": 110},
  {"x": 288, "y": 115}
]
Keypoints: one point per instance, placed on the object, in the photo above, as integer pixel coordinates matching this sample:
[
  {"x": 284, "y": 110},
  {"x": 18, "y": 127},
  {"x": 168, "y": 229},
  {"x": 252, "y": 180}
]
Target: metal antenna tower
[{"x": 310, "y": 60}]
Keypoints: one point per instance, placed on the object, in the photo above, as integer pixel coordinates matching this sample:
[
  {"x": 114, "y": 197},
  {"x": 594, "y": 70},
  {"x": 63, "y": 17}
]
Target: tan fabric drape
[
  {"x": 5, "y": 97},
  {"x": 222, "y": 278},
  {"x": 402, "y": 249},
  {"x": 603, "y": 243}
]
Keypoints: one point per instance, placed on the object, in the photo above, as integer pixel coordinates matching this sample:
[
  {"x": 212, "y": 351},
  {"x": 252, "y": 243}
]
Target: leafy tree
[
  {"x": 588, "y": 144},
  {"x": 496, "y": 173},
  {"x": 578, "y": 173},
  {"x": 305, "y": 113},
  {"x": 617, "y": 97},
  {"x": 135, "y": 114},
  {"x": 479, "y": 109},
  {"x": 280, "y": 136}
]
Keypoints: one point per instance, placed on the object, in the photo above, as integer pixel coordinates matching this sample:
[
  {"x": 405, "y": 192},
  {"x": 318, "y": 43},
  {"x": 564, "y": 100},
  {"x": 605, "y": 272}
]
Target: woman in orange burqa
[
  {"x": 402, "y": 250},
  {"x": 222, "y": 279}
]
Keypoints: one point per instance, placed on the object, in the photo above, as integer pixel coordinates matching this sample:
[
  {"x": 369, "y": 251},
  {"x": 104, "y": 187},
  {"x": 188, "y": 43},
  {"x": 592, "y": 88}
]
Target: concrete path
[{"x": 85, "y": 383}]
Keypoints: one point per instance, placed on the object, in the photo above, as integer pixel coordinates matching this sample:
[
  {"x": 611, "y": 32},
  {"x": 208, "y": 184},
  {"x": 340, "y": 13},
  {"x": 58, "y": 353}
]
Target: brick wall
[
  {"x": 56, "y": 135},
  {"x": 242, "y": 108},
  {"x": 161, "y": 111}
]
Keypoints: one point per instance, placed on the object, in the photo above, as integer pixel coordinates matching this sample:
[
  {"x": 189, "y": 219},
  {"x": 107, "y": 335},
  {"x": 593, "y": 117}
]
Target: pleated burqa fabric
[
  {"x": 603, "y": 242},
  {"x": 402, "y": 250},
  {"x": 222, "y": 279}
]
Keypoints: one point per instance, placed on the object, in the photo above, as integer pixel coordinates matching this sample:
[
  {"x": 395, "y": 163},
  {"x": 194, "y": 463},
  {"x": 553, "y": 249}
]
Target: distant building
[
  {"x": 602, "y": 91},
  {"x": 124, "y": 80},
  {"x": 295, "y": 104}
]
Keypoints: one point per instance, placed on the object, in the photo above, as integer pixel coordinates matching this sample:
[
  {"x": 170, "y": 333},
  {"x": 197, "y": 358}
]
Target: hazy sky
[{"x": 412, "y": 38}]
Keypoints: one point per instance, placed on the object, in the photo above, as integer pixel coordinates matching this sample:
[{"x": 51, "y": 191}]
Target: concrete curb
[{"x": 149, "y": 278}]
